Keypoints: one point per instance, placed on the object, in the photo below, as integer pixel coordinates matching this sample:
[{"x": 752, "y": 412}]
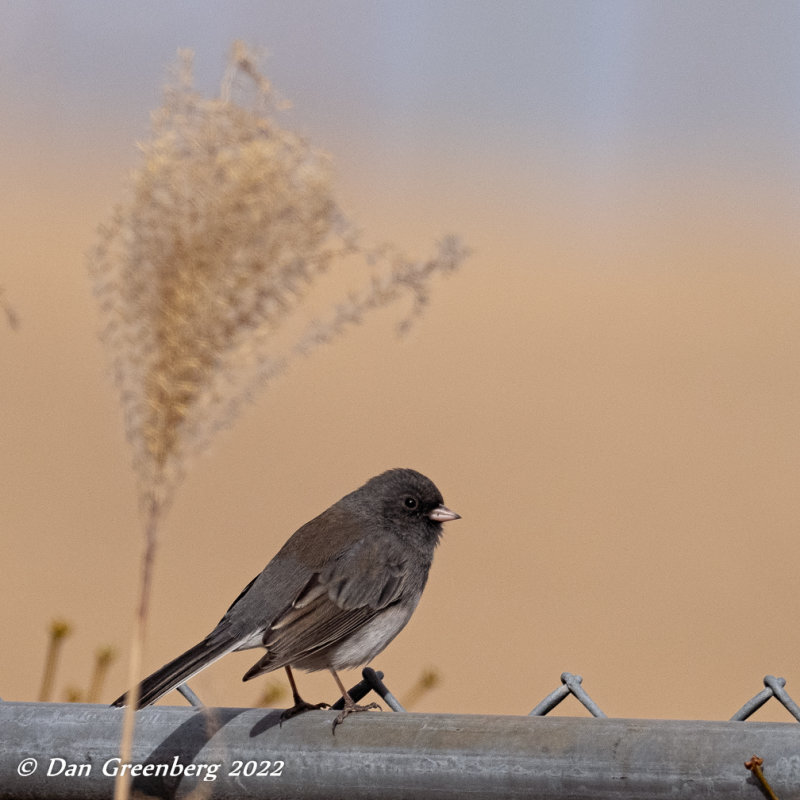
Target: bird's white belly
[{"x": 368, "y": 641}]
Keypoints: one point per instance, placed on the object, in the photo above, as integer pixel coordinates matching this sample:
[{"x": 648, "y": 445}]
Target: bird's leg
[
  {"x": 300, "y": 705},
  {"x": 350, "y": 706}
]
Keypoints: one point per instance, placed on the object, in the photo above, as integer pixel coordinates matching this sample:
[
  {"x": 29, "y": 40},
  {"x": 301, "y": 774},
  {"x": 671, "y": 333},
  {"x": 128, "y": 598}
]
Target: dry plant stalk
[
  {"x": 103, "y": 658},
  {"x": 59, "y": 630},
  {"x": 230, "y": 219}
]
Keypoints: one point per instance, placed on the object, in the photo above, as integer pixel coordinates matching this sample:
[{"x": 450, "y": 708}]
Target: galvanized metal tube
[{"x": 236, "y": 753}]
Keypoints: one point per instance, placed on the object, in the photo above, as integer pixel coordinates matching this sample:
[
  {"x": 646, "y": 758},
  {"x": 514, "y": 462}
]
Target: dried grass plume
[{"x": 229, "y": 221}]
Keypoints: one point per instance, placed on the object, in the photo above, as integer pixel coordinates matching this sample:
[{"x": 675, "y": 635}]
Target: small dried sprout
[
  {"x": 103, "y": 658},
  {"x": 59, "y": 630},
  {"x": 229, "y": 222},
  {"x": 272, "y": 694},
  {"x": 11, "y": 315},
  {"x": 73, "y": 694},
  {"x": 428, "y": 680}
]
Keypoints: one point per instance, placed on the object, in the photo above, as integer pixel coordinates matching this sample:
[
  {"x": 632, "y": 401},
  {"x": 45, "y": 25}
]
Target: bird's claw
[
  {"x": 352, "y": 709},
  {"x": 301, "y": 707}
]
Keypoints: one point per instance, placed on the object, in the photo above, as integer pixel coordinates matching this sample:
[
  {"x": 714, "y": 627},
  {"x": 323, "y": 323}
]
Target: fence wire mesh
[{"x": 571, "y": 684}]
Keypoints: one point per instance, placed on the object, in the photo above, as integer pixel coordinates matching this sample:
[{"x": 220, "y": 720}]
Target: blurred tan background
[{"x": 608, "y": 391}]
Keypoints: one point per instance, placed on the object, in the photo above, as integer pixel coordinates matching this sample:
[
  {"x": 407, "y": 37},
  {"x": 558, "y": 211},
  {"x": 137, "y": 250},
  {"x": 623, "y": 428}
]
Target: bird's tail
[{"x": 180, "y": 669}]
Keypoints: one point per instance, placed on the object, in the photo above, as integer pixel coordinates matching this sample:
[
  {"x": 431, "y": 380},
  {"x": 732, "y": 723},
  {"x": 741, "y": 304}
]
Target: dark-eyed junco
[{"x": 340, "y": 589}]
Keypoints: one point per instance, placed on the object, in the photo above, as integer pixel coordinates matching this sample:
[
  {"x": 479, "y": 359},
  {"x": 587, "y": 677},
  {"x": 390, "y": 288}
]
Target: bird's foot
[
  {"x": 300, "y": 707},
  {"x": 353, "y": 708}
]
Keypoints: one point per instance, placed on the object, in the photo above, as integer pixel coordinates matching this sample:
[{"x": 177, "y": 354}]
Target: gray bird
[{"x": 340, "y": 589}]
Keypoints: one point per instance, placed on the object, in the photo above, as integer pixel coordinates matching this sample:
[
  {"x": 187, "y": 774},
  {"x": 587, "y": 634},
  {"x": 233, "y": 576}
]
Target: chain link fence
[{"x": 70, "y": 750}]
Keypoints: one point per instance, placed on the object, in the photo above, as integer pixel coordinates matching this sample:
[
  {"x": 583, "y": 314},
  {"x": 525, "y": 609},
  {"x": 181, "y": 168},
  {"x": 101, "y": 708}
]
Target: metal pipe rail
[{"x": 71, "y": 751}]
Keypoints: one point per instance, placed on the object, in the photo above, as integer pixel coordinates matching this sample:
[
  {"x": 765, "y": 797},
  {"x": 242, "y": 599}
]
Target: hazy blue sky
[{"x": 603, "y": 80}]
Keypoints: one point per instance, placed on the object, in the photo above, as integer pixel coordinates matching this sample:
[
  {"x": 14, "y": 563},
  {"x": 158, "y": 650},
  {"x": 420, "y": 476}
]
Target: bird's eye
[{"x": 410, "y": 503}]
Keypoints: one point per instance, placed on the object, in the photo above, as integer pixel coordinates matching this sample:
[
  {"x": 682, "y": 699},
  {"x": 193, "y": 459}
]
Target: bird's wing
[
  {"x": 240, "y": 596},
  {"x": 330, "y": 551},
  {"x": 278, "y": 585},
  {"x": 316, "y": 626},
  {"x": 334, "y": 603},
  {"x": 367, "y": 574}
]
